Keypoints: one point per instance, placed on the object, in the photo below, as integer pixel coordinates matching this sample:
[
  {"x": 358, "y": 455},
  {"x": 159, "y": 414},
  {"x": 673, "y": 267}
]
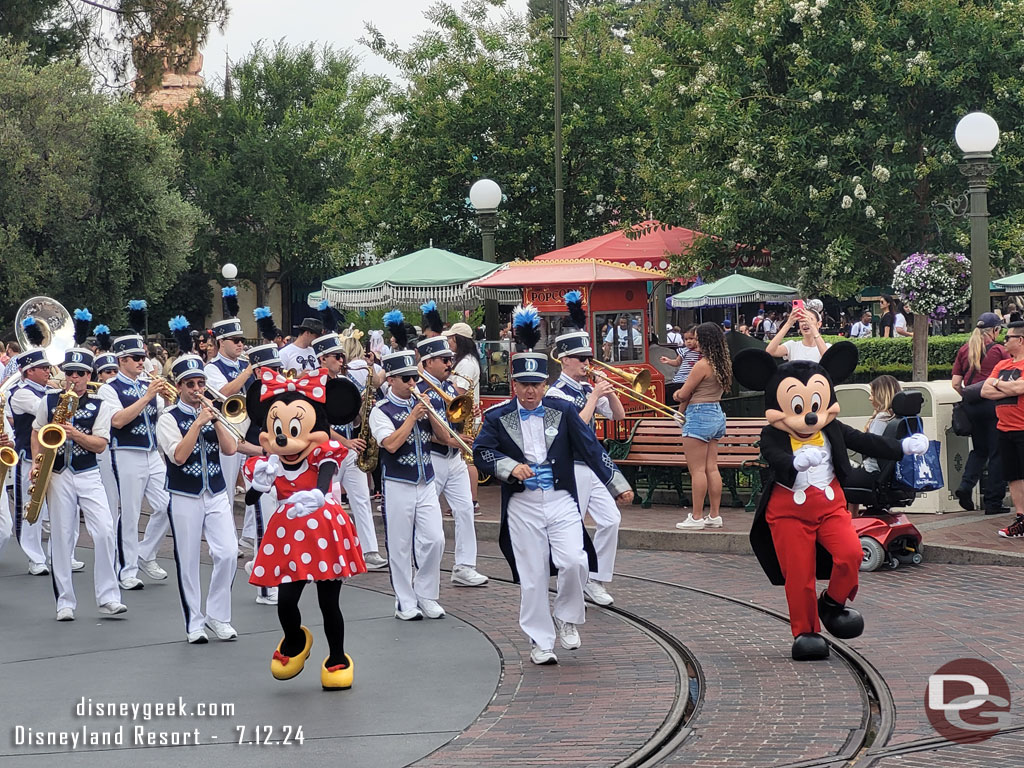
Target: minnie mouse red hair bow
[{"x": 312, "y": 385}]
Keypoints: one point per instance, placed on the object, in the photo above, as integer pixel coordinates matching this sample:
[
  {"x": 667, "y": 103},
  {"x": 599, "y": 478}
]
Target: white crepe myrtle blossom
[
  {"x": 860, "y": 193},
  {"x": 847, "y": 201}
]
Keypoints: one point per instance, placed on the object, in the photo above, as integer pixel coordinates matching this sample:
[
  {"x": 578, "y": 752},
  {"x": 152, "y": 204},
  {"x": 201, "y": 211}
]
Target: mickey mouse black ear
[
  {"x": 753, "y": 368},
  {"x": 840, "y": 360}
]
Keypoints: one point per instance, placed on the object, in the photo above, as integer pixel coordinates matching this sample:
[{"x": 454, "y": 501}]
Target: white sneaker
[
  {"x": 595, "y": 592},
  {"x": 713, "y": 522},
  {"x": 131, "y": 582},
  {"x": 270, "y": 599},
  {"x": 152, "y": 569},
  {"x": 568, "y": 635},
  {"x": 431, "y": 608},
  {"x": 246, "y": 544},
  {"x": 77, "y": 565},
  {"x": 221, "y": 629},
  {"x": 374, "y": 561},
  {"x": 413, "y": 615},
  {"x": 113, "y": 608},
  {"x": 691, "y": 524},
  {"x": 38, "y": 569},
  {"x": 467, "y": 576},
  {"x": 542, "y": 656},
  {"x": 65, "y": 614},
  {"x": 198, "y": 637}
]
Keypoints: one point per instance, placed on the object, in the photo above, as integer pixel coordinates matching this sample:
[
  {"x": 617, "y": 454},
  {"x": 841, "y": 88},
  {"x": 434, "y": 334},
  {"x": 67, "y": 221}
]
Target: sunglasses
[
  {"x": 1018, "y": 336},
  {"x": 193, "y": 383},
  {"x": 76, "y": 373},
  {"x": 136, "y": 358},
  {"x": 408, "y": 379}
]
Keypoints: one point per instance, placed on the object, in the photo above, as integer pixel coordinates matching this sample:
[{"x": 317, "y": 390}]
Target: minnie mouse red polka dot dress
[{"x": 317, "y": 547}]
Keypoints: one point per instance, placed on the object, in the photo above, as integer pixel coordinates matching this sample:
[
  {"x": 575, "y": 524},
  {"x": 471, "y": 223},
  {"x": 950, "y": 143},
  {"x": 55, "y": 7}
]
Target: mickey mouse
[{"x": 801, "y": 520}]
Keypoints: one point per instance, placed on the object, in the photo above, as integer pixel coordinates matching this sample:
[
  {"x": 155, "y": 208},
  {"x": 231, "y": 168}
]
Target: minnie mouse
[
  {"x": 309, "y": 537},
  {"x": 801, "y": 520}
]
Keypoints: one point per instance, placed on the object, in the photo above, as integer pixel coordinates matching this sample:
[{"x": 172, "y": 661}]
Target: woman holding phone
[{"x": 810, "y": 347}]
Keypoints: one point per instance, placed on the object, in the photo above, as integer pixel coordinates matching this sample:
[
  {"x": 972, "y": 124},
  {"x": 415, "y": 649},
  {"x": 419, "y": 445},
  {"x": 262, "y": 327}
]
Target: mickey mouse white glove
[
  {"x": 265, "y": 472},
  {"x": 808, "y": 456},
  {"x": 916, "y": 443},
  {"x": 304, "y": 503}
]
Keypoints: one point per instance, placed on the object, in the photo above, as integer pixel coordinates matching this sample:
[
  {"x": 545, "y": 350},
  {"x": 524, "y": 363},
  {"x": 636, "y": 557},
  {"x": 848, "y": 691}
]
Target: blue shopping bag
[{"x": 922, "y": 472}]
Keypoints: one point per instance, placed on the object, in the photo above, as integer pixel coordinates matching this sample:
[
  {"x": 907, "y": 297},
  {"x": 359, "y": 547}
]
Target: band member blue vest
[
  {"x": 231, "y": 372},
  {"x": 23, "y": 421},
  {"x": 411, "y": 462},
  {"x": 84, "y": 419},
  {"x": 578, "y": 392},
  {"x": 202, "y": 470},
  {"x": 440, "y": 407},
  {"x": 139, "y": 432}
]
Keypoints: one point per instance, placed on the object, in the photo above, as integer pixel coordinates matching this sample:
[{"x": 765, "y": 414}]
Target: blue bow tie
[{"x": 525, "y": 414}]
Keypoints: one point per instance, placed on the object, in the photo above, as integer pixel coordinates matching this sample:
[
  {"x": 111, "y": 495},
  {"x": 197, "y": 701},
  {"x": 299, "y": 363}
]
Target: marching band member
[
  {"x": 194, "y": 441},
  {"x": 6, "y": 523},
  {"x": 105, "y": 368},
  {"x": 22, "y": 404},
  {"x": 402, "y": 427},
  {"x": 229, "y": 376},
  {"x": 466, "y": 379},
  {"x": 299, "y": 355},
  {"x": 137, "y": 465},
  {"x": 530, "y": 443},
  {"x": 574, "y": 354},
  {"x": 329, "y": 350},
  {"x": 451, "y": 477},
  {"x": 76, "y": 483}
]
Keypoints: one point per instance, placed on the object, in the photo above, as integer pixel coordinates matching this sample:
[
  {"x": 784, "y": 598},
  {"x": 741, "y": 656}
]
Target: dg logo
[
  {"x": 76, "y": 357},
  {"x": 193, "y": 364},
  {"x": 530, "y": 365}
]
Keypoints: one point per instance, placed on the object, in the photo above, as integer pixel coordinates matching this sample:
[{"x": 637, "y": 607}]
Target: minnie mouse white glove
[
  {"x": 304, "y": 503},
  {"x": 808, "y": 456},
  {"x": 916, "y": 444},
  {"x": 265, "y": 472}
]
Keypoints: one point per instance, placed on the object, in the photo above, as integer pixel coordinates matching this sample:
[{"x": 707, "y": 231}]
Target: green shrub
[
  {"x": 865, "y": 374},
  {"x": 875, "y": 353}
]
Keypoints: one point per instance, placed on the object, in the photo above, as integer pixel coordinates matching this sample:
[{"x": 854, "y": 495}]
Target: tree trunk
[{"x": 920, "y": 365}]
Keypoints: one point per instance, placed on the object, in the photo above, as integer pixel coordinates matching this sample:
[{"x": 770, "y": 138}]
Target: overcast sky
[{"x": 338, "y": 22}]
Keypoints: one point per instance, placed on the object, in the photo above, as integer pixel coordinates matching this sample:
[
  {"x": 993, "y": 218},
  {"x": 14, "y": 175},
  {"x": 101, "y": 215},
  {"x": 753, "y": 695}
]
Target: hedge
[
  {"x": 877, "y": 354},
  {"x": 865, "y": 374}
]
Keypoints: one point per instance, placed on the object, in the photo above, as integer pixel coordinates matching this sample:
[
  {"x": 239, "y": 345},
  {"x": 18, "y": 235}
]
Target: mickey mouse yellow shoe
[
  {"x": 286, "y": 667},
  {"x": 337, "y": 678}
]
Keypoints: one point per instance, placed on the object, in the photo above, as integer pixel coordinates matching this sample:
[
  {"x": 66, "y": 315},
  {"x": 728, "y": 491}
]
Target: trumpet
[
  {"x": 169, "y": 391},
  {"x": 467, "y": 451}
]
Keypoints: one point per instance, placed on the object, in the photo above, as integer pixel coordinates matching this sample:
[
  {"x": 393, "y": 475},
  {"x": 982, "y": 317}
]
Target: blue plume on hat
[
  {"x": 137, "y": 315},
  {"x": 33, "y": 331},
  {"x": 229, "y": 301},
  {"x": 394, "y": 321},
  {"x": 265, "y": 323},
  {"x": 526, "y": 325},
  {"x": 82, "y": 319},
  {"x": 181, "y": 330},
  {"x": 327, "y": 316},
  {"x": 574, "y": 303},
  {"x": 102, "y": 334},
  {"x": 431, "y": 317}
]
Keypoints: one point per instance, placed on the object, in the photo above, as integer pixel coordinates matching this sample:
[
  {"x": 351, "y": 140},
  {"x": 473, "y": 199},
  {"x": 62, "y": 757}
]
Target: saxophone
[
  {"x": 51, "y": 439},
  {"x": 8, "y": 456},
  {"x": 367, "y": 461}
]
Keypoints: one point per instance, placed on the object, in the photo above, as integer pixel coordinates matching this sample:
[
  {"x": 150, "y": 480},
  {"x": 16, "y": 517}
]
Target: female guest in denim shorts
[{"x": 700, "y": 400}]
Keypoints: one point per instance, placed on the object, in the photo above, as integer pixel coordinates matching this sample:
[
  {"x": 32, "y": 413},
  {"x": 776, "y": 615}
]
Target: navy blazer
[{"x": 498, "y": 448}]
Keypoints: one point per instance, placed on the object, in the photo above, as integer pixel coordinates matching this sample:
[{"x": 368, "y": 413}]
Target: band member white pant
[
  {"x": 67, "y": 492},
  {"x": 597, "y": 501},
  {"x": 139, "y": 474},
  {"x": 6, "y": 525},
  {"x": 230, "y": 467},
  {"x": 413, "y": 510},
  {"x": 109, "y": 484},
  {"x": 191, "y": 518},
  {"x": 543, "y": 524},
  {"x": 30, "y": 537},
  {"x": 451, "y": 477},
  {"x": 357, "y": 488},
  {"x": 255, "y": 520}
]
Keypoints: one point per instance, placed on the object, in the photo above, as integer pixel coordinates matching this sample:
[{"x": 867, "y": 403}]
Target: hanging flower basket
[{"x": 934, "y": 284}]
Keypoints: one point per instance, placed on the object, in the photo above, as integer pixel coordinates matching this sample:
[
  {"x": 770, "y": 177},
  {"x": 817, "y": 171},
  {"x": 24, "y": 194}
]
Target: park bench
[{"x": 653, "y": 456}]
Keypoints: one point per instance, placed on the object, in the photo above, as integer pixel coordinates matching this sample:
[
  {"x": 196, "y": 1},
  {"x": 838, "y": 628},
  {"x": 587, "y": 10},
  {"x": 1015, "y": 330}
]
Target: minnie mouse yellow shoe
[
  {"x": 337, "y": 678},
  {"x": 286, "y": 667}
]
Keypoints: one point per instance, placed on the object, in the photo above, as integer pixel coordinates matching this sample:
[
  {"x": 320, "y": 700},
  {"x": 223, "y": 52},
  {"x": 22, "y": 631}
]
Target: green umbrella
[
  {"x": 430, "y": 273},
  {"x": 1011, "y": 284},
  {"x": 734, "y": 289},
  {"x": 313, "y": 299}
]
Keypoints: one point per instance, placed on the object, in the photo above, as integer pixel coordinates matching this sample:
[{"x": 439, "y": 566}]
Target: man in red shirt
[{"x": 1005, "y": 386}]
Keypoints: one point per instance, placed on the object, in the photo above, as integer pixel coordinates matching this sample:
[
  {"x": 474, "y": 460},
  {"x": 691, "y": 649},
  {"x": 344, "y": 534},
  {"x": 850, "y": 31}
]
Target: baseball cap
[
  {"x": 459, "y": 329},
  {"x": 989, "y": 320}
]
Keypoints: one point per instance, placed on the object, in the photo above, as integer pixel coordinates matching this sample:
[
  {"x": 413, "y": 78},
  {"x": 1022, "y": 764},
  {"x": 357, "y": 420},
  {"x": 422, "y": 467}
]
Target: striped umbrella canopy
[{"x": 731, "y": 290}]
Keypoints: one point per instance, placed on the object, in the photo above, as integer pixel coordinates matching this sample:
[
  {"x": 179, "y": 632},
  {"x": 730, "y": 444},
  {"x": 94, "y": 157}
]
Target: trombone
[
  {"x": 173, "y": 395},
  {"x": 467, "y": 452},
  {"x": 634, "y": 386},
  {"x": 232, "y": 407},
  {"x": 458, "y": 407}
]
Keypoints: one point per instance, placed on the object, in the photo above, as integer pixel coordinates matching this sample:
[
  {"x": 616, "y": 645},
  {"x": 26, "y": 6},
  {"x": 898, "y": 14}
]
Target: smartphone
[{"x": 798, "y": 303}]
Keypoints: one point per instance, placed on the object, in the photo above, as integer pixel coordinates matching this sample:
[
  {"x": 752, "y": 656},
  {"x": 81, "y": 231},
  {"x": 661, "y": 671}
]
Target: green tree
[
  {"x": 43, "y": 28},
  {"x": 479, "y": 103},
  {"x": 89, "y": 212},
  {"x": 823, "y": 131},
  {"x": 263, "y": 161}
]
